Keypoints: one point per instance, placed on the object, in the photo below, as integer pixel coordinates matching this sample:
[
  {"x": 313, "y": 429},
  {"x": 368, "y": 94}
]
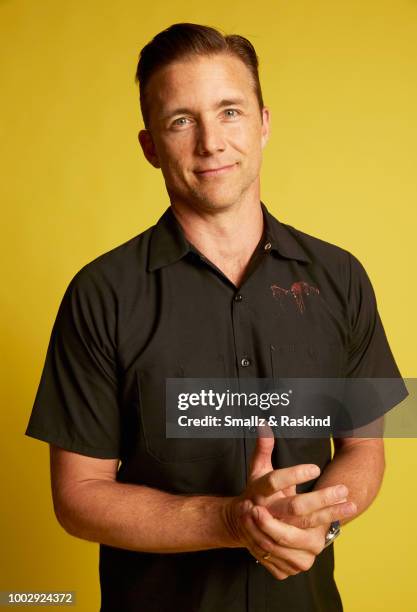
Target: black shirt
[{"x": 154, "y": 308}]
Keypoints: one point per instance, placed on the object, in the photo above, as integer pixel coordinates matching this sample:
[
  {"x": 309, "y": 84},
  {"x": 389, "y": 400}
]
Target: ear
[
  {"x": 148, "y": 148},
  {"x": 266, "y": 125}
]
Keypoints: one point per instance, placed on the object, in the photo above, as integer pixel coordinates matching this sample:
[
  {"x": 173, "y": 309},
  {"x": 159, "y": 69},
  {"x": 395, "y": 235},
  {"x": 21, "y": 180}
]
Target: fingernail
[
  {"x": 314, "y": 470},
  {"x": 255, "y": 513},
  {"x": 349, "y": 509},
  {"x": 341, "y": 491}
]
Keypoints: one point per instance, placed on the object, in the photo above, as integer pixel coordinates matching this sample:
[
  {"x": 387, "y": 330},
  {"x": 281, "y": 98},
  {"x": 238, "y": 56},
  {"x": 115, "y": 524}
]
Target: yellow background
[{"x": 340, "y": 79}]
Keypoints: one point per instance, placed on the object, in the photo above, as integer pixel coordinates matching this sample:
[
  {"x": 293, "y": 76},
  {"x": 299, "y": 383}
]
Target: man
[{"x": 218, "y": 288}]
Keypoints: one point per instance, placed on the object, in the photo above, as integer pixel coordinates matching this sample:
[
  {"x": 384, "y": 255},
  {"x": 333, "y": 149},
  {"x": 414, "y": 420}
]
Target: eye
[
  {"x": 231, "y": 112},
  {"x": 180, "y": 121}
]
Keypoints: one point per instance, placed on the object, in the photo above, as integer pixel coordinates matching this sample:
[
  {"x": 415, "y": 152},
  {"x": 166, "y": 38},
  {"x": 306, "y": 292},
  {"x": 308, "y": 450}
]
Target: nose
[{"x": 209, "y": 138}]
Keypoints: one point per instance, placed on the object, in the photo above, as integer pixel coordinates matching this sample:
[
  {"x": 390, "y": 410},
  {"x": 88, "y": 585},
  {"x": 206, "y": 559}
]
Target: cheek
[
  {"x": 246, "y": 141},
  {"x": 176, "y": 156}
]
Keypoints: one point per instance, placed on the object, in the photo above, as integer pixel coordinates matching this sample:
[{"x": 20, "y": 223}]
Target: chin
[
  {"x": 219, "y": 199},
  {"x": 208, "y": 203},
  {"x": 208, "y": 199}
]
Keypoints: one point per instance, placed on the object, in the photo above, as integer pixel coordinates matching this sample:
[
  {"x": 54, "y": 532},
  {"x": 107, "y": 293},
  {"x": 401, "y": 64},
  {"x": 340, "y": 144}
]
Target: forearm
[
  {"x": 144, "y": 519},
  {"x": 359, "y": 466}
]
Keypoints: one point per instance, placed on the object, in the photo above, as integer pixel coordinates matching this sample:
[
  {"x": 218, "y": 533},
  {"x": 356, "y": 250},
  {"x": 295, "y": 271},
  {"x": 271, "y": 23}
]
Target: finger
[
  {"x": 281, "y": 566},
  {"x": 272, "y": 569},
  {"x": 287, "y": 560},
  {"x": 281, "y": 533},
  {"x": 261, "y": 457},
  {"x": 258, "y": 541},
  {"x": 288, "y": 491},
  {"x": 306, "y": 503},
  {"x": 255, "y": 537},
  {"x": 323, "y": 517},
  {"x": 277, "y": 480},
  {"x": 292, "y": 561}
]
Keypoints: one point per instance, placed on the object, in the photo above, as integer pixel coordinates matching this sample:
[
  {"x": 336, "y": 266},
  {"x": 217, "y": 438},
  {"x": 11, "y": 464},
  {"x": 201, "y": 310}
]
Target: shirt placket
[{"x": 248, "y": 368}]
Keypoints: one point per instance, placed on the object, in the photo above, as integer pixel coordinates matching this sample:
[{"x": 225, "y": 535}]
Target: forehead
[{"x": 200, "y": 79}]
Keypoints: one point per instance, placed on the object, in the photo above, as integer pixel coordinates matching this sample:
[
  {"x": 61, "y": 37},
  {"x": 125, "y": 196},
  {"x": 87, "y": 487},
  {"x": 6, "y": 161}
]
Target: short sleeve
[
  {"x": 369, "y": 356},
  {"x": 76, "y": 405}
]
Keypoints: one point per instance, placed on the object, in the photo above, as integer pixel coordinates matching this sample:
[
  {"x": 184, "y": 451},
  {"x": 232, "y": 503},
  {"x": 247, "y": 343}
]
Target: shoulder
[
  {"x": 318, "y": 250},
  {"x": 332, "y": 258},
  {"x": 337, "y": 267},
  {"x": 115, "y": 269}
]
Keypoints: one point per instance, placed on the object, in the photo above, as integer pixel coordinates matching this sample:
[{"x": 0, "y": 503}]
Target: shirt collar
[
  {"x": 168, "y": 243},
  {"x": 281, "y": 238}
]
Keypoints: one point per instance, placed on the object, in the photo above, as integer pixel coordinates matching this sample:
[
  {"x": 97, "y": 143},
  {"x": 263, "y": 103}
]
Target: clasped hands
[{"x": 283, "y": 530}]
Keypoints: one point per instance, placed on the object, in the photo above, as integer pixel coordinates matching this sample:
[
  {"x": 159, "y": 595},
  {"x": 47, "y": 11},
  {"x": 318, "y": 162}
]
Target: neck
[{"x": 227, "y": 237}]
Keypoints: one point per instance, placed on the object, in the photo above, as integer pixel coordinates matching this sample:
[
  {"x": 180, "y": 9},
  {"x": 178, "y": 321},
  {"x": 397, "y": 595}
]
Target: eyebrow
[{"x": 220, "y": 104}]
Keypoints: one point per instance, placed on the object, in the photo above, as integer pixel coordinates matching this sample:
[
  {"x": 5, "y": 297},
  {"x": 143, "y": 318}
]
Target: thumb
[{"x": 261, "y": 457}]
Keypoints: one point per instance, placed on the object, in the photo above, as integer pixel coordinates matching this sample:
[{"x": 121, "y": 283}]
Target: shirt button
[
  {"x": 245, "y": 362},
  {"x": 238, "y": 297},
  {"x": 252, "y": 429},
  {"x": 267, "y": 246}
]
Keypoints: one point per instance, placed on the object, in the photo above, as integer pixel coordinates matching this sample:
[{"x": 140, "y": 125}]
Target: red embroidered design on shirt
[{"x": 296, "y": 293}]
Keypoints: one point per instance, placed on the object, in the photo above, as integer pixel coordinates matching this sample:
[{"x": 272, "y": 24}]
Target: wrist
[
  {"x": 229, "y": 512},
  {"x": 208, "y": 518}
]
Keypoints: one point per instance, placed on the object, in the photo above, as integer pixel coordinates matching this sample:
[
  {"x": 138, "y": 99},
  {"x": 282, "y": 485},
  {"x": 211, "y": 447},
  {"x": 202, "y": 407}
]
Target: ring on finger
[{"x": 265, "y": 557}]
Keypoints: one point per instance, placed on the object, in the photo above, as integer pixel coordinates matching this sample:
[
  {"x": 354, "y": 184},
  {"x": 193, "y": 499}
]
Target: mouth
[{"x": 215, "y": 171}]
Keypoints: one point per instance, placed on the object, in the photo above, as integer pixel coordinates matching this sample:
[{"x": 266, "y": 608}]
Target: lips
[{"x": 214, "y": 171}]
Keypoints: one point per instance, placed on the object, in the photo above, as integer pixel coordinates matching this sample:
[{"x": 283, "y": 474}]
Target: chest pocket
[
  {"x": 306, "y": 360},
  {"x": 151, "y": 384}
]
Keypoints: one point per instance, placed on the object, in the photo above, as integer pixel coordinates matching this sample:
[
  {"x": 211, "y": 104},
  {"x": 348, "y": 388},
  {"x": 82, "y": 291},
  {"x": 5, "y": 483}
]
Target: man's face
[{"x": 204, "y": 115}]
